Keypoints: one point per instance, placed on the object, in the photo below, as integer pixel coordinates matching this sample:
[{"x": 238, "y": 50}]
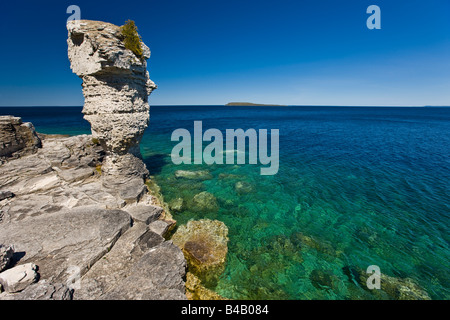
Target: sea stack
[{"x": 116, "y": 86}]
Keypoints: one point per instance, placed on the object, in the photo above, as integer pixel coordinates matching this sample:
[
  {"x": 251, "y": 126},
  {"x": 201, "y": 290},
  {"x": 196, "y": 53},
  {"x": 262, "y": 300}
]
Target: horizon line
[{"x": 256, "y": 106}]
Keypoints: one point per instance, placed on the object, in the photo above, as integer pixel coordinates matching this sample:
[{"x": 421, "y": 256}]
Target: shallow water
[{"x": 356, "y": 187}]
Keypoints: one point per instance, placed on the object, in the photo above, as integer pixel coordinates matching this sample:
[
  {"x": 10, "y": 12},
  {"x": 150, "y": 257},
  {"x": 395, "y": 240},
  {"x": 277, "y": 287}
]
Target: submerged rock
[
  {"x": 323, "y": 247},
  {"x": 229, "y": 176},
  {"x": 205, "y": 202},
  {"x": 176, "y": 205},
  {"x": 193, "y": 175},
  {"x": 394, "y": 288},
  {"x": 243, "y": 187},
  {"x": 321, "y": 279},
  {"x": 403, "y": 288},
  {"x": 204, "y": 244},
  {"x": 196, "y": 291}
]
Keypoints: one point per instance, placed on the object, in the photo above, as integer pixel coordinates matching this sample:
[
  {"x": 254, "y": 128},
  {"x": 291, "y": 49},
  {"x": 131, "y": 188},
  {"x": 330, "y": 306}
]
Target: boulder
[{"x": 18, "y": 278}]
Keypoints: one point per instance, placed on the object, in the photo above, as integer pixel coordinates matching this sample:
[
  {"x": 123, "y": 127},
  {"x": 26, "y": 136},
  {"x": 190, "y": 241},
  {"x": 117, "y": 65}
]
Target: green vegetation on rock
[{"x": 132, "y": 39}]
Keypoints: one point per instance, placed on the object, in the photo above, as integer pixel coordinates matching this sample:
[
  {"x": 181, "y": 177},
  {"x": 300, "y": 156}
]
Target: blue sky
[{"x": 311, "y": 52}]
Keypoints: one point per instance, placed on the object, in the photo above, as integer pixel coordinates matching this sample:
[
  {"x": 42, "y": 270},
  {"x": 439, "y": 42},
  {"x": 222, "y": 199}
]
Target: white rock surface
[
  {"x": 116, "y": 86},
  {"x": 18, "y": 278},
  {"x": 79, "y": 223}
]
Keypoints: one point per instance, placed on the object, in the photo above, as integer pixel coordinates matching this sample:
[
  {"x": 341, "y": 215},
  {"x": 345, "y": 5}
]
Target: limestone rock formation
[
  {"x": 204, "y": 244},
  {"x": 16, "y": 138},
  {"x": 116, "y": 86},
  {"x": 55, "y": 241},
  {"x": 141, "y": 265},
  {"x": 78, "y": 207},
  {"x": 156, "y": 276},
  {"x": 62, "y": 217}
]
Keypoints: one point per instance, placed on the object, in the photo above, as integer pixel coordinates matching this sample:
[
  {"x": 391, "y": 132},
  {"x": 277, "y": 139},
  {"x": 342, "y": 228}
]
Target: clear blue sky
[{"x": 311, "y": 52}]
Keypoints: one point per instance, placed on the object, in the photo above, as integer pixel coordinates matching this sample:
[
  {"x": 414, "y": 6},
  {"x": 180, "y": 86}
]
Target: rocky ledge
[
  {"x": 16, "y": 138},
  {"x": 67, "y": 236}
]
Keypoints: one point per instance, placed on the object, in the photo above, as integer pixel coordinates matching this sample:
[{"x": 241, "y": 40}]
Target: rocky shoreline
[
  {"x": 77, "y": 239},
  {"x": 63, "y": 220},
  {"x": 78, "y": 219}
]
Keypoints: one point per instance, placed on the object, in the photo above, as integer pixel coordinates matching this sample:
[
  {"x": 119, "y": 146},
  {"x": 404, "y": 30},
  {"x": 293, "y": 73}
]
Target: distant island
[{"x": 252, "y": 104}]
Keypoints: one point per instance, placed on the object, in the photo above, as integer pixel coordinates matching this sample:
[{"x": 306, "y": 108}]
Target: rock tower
[{"x": 116, "y": 86}]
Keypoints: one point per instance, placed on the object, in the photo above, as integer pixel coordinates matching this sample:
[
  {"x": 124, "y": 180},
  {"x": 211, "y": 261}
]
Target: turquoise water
[{"x": 356, "y": 187}]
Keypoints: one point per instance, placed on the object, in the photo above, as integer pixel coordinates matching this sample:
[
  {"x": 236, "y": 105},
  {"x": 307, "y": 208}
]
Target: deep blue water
[{"x": 356, "y": 187}]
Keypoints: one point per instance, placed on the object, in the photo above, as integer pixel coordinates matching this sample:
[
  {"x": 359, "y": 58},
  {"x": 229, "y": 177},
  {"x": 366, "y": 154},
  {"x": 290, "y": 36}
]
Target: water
[{"x": 356, "y": 187}]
